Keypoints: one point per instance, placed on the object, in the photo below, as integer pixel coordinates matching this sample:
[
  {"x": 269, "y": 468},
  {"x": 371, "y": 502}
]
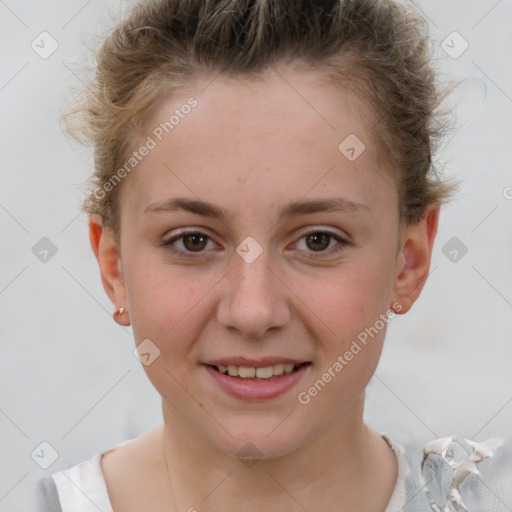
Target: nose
[{"x": 254, "y": 298}]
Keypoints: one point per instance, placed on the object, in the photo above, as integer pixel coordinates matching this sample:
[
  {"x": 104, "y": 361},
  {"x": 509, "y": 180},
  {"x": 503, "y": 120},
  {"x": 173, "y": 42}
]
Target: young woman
[{"x": 263, "y": 204}]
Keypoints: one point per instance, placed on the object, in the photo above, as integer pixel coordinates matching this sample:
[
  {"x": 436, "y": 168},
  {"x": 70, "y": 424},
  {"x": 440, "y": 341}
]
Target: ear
[
  {"x": 414, "y": 258},
  {"x": 109, "y": 260}
]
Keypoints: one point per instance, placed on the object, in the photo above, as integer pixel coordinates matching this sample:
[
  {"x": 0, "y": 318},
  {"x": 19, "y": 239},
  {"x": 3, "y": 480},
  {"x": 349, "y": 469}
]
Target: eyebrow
[{"x": 295, "y": 208}]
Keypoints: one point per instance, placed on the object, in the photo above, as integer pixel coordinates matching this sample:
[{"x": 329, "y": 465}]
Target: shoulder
[
  {"x": 127, "y": 460},
  {"x": 140, "y": 466},
  {"x": 32, "y": 496},
  {"x": 456, "y": 474}
]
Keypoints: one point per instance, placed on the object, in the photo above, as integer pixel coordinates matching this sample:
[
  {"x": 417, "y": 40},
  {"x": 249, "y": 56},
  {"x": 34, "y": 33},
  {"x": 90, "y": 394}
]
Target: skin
[{"x": 251, "y": 148}]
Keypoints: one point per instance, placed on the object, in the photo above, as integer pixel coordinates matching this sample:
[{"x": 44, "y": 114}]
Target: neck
[{"x": 334, "y": 470}]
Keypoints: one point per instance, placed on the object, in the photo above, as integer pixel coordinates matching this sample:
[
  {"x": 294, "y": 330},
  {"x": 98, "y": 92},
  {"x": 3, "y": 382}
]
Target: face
[{"x": 230, "y": 256}]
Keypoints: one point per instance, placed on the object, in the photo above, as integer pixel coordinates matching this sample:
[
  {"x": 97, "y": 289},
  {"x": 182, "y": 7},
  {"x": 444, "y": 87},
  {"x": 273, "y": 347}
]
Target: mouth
[
  {"x": 266, "y": 373},
  {"x": 257, "y": 380}
]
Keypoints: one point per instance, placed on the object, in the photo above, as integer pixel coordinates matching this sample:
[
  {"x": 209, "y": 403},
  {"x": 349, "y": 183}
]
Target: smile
[
  {"x": 266, "y": 372},
  {"x": 257, "y": 382}
]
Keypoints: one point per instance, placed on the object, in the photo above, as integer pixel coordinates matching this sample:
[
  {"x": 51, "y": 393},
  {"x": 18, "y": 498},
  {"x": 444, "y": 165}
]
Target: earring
[{"x": 117, "y": 315}]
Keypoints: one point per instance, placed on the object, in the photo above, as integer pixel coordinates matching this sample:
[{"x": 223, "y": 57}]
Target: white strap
[
  {"x": 397, "y": 501},
  {"x": 82, "y": 488}
]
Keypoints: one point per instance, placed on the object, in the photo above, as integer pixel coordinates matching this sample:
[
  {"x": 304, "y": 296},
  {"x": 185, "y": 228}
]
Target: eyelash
[{"x": 342, "y": 243}]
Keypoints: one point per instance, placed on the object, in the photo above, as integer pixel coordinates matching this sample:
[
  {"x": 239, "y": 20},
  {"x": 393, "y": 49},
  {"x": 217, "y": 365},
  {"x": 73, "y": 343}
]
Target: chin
[{"x": 259, "y": 443}]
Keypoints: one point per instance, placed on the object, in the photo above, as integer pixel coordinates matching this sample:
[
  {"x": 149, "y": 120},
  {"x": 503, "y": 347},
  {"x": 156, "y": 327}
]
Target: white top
[{"x": 82, "y": 488}]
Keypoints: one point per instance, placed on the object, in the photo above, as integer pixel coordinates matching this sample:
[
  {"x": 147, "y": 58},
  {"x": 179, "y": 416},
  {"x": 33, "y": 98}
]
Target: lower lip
[{"x": 246, "y": 389}]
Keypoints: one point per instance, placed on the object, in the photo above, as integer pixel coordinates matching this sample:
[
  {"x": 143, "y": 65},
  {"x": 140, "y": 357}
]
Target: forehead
[
  {"x": 271, "y": 102},
  {"x": 282, "y": 133}
]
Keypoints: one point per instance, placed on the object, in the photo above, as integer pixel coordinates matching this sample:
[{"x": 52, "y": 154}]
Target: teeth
[
  {"x": 278, "y": 369},
  {"x": 264, "y": 373},
  {"x": 245, "y": 372},
  {"x": 233, "y": 370},
  {"x": 288, "y": 368},
  {"x": 261, "y": 373}
]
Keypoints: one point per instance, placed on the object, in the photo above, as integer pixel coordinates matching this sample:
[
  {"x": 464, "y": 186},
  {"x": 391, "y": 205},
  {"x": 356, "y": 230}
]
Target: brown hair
[{"x": 379, "y": 48}]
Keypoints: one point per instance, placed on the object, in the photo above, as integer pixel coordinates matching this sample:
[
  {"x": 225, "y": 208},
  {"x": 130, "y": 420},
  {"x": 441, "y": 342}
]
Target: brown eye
[
  {"x": 189, "y": 244},
  {"x": 195, "y": 241},
  {"x": 318, "y": 241},
  {"x": 317, "y": 244}
]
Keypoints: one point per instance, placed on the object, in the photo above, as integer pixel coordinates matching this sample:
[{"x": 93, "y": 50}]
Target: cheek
[
  {"x": 163, "y": 298},
  {"x": 354, "y": 304},
  {"x": 354, "y": 297},
  {"x": 168, "y": 307},
  {"x": 355, "y": 309}
]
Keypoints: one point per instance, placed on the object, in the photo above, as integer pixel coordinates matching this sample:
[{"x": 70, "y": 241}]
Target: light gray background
[{"x": 67, "y": 372}]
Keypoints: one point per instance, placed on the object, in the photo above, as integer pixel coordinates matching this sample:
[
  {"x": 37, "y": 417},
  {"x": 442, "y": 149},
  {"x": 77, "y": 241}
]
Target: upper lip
[{"x": 254, "y": 363}]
